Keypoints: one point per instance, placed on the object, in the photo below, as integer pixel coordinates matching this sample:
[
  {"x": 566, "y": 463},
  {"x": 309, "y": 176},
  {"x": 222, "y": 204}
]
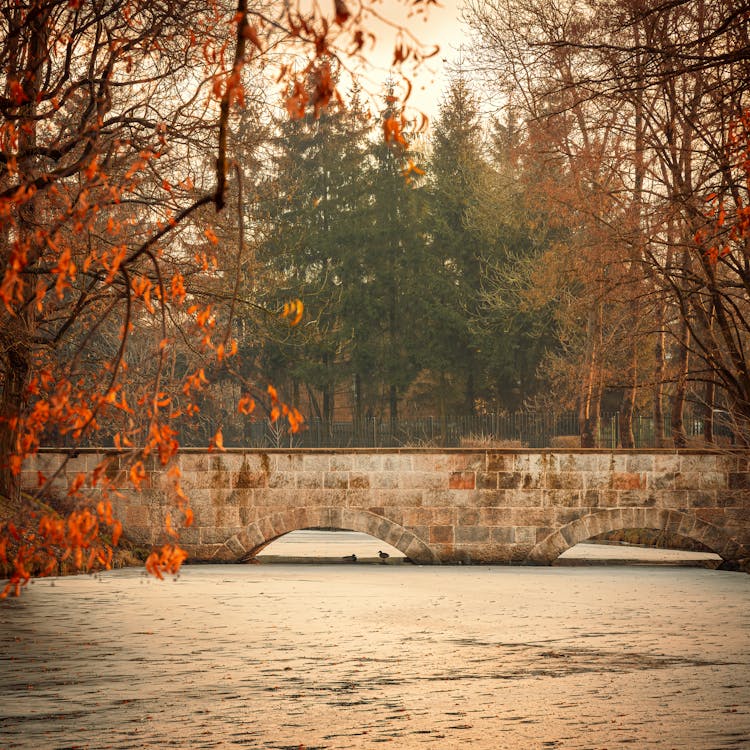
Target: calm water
[{"x": 355, "y": 656}]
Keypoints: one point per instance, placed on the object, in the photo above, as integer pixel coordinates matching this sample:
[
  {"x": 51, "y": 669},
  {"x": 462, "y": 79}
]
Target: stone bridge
[{"x": 439, "y": 505}]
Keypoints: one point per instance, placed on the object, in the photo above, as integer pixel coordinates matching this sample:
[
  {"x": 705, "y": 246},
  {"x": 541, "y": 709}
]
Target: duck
[
  {"x": 349, "y": 558},
  {"x": 383, "y": 556}
]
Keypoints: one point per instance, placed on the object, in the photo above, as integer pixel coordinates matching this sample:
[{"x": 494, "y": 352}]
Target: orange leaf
[
  {"x": 251, "y": 33},
  {"x": 217, "y": 441},
  {"x": 297, "y": 102},
  {"x": 137, "y": 474},
  {"x": 246, "y": 405},
  {"x": 76, "y": 484},
  {"x": 392, "y": 131},
  {"x": 342, "y": 12},
  {"x": 294, "y": 311}
]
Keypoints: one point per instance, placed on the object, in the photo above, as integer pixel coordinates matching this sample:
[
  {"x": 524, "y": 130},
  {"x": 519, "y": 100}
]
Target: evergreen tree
[
  {"x": 314, "y": 204},
  {"x": 456, "y": 250},
  {"x": 385, "y": 292},
  {"x": 514, "y": 324}
]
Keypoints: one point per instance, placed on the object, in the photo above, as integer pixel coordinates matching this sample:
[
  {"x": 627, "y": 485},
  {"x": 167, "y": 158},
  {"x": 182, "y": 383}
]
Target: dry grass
[
  {"x": 565, "y": 441},
  {"x": 488, "y": 441}
]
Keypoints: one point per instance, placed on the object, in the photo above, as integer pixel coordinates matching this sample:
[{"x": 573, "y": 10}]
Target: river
[{"x": 361, "y": 656}]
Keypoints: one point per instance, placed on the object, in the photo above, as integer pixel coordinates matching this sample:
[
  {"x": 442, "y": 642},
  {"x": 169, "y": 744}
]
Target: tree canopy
[
  {"x": 201, "y": 220},
  {"x": 120, "y": 141}
]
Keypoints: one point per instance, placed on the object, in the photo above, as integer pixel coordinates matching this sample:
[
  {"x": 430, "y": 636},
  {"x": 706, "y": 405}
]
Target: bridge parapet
[{"x": 439, "y": 505}]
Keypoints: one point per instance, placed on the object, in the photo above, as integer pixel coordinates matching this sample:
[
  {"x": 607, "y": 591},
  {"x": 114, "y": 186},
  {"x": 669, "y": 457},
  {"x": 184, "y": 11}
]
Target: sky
[{"x": 442, "y": 27}]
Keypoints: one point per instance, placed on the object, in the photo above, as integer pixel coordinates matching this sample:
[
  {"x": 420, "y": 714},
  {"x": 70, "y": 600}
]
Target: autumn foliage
[
  {"x": 116, "y": 154},
  {"x": 728, "y": 212},
  {"x": 86, "y": 538}
]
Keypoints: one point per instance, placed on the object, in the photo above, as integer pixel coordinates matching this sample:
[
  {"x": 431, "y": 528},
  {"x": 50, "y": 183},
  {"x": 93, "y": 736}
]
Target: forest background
[
  {"x": 568, "y": 235},
  {"x": 201, "y": 214}
]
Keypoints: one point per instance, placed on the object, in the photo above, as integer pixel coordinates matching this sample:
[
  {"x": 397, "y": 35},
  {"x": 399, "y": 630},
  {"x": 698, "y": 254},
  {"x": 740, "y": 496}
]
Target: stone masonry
[{"x": 438, "y": 505}]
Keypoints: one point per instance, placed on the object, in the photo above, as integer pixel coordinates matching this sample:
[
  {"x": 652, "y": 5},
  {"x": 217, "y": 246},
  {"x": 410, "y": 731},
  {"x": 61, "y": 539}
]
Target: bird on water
[
  {"x": 349, "y": 558},
  {"x": 383, "y": 556}
]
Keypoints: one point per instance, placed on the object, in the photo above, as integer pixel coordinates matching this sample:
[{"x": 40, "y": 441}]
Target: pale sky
[{"x": 442, "y": 27}]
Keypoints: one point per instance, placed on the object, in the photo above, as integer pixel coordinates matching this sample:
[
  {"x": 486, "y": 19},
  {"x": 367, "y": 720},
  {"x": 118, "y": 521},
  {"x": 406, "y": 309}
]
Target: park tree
[
  {"x": 568, "y": 152},
  {"x": 391, "y": 280},
  {"x": 110, "y": 111},
  {"x": 664, "y": 86},
  {"x": 514, "y": 324},
  {"x": 457, "y": 166},
  {"x": 344, "y": 234},
  {"x": 315, "y": 207}
]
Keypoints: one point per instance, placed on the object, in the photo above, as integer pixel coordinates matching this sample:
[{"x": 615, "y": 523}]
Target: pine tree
[
  {"x": 456, "y": 250},
  {"x": 386, "y": 293},
  {"x": 314, "y": 204},
  {"x": 514, "y": 325}
]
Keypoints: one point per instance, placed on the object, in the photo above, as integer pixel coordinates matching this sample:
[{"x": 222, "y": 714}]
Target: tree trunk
[
  {"x": 678, "y": 401},
  {"x": 328, "y": 402},
  {"x": 12, "y": 400},
  {"x": 590, "y": 396},
  {"x": 708, "y": 416},
  {"x": 16, "y": 338},
  {"x": 314, "y": 403},
  {"x": 470, "y": 394},
  {"x": 295, "y": 392},
  {"x": 627, "y": 408},
  {"x": 713, "y": 357},
  {"x": 393, "y": 408},
  {"x": 588, "y": 425},
  {"x": 443, "y": 410},
  {"x": 659, "y": 371},
  {"x": 358, "y": 421}
]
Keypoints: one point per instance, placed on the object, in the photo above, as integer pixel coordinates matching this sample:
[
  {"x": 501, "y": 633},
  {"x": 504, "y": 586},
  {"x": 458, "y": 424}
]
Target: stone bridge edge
[
  {"x": 255, "y": 536},
  {"x": 244, "y": 545},
  {"x": 679, "y": 522}
]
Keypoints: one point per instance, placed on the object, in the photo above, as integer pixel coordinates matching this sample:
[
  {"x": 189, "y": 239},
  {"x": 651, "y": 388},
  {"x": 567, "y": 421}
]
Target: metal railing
[{"x": 522, "y": 429}]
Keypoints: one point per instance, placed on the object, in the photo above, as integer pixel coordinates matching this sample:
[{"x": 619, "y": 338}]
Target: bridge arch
[
  {"x": 259, "y": 534},
  {"x": 614, "y": 519}
]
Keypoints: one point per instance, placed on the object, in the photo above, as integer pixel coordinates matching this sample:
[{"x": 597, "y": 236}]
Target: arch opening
[
  {"x": 640, "y": 547},
  {"x": 329, "y": 546},
  {"x": 651, "y": 538},
  {"x": 258, "y": 535},
  {"x": 712, "y": 543}
]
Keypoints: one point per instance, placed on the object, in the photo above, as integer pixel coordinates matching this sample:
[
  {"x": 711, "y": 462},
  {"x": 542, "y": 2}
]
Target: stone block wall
[{"x": 463, "y": 505}]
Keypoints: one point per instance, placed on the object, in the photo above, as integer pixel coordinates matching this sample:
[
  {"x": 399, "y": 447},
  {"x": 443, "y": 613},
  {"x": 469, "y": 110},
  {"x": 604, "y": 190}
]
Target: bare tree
[{"x": 673, "y": 79}]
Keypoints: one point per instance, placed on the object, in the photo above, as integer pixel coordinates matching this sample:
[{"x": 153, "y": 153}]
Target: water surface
[{"x": 356, "y": 656}]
